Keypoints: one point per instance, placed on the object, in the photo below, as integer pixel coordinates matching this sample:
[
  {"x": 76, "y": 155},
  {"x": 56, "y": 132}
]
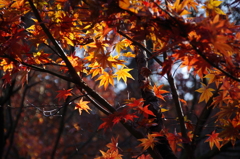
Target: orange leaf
[
  {"x": 206, "y": 93},
  {"x": 159, "y": 92},
  {"x": 143, "y": 157},
  {"x": 113, "y": 145},
  {"x": 82, "y": 105},
  {"x": 110, "y": 155},
  {"x": 124, "y": 4},
  {"x": 173, "y": 140},
  {"x": 148, "y": 142},
  {"x": 214, "y": 139}
]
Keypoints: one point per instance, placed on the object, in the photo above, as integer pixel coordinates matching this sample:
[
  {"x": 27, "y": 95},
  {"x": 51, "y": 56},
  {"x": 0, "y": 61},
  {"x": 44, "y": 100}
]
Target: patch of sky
[{"x": 188, "y": 97}]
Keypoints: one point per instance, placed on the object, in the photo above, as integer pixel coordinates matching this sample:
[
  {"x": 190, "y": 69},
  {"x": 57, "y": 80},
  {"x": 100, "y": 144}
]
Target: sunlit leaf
[
  {"x": 213, "y": 139},
  {"x": 106, "y": 79},
  {"x": 148, "y": 142},
  {"x": 82, "y": 105},
  {"x": 123, "y": 74},
  {"x": 206, "y": 93},
  {"x": 124, "y": 4}
]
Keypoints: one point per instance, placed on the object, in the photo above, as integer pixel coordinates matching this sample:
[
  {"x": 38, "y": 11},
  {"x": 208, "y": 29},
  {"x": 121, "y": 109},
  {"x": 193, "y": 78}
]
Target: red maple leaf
[
  {"x": 146, "y": 111},
  {"x": 115, "y": 118},
  {"x": 214, "y": 139},
  {"x": 136, "y": 103},
  {"x": 63, "y": 94}
]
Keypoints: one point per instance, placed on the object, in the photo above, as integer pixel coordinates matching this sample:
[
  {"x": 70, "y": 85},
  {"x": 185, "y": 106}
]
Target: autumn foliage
[{"x": 159, "y": 75}]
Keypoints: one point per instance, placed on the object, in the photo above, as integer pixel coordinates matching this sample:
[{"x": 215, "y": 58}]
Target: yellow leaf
[
  {"x": 212, "y": 5},
  {"x": 124, "y": 4},
  {"x": 211, "y": 78},
  {"x": 69, "y": 41},
  {"x": 206, "y": 93},
  {"x": 123, "y": 74},
  {"x": 4, "y": 3},
  {"x": 129, "y": 54},
  {"x": 106, "y": 78},
  {"x": 164, "y": 110},
  {"x": 120, "y": 46},
  {"x": 82, "y": 105},
  {"x": 17, "y": 4}
]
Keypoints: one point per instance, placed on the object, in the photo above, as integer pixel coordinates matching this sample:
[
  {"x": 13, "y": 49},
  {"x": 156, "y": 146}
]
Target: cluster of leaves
[{"x": 34, "y": 35}]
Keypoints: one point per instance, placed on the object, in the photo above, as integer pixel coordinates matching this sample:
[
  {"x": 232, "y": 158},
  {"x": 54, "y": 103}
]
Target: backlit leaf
[
  {"x": 82, "y": 105},
  {"x": 123, "y": 74},
  {"x": 148, "y": 142},
  {"x": 206, "y": 93},
  {"x": 213, "y": 139},
  {"x": 124, "y": 4},
  {"x": 63, "y": 94},
  {"x": 105, "y": 79}
]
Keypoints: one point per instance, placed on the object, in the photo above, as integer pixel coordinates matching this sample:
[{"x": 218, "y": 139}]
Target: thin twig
[
  {"x": 140, "y": 46},
  {"x": 179, "y": 110},
  {"x": 213, "y": 64}
]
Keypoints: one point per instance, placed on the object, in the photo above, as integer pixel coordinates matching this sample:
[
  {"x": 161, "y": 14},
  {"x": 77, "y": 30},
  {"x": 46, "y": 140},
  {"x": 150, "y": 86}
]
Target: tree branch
[
  {"x": 179, "y": 112},
  {"x": 79, "y": 82},
  {"x": 140, "y": 46},
  {"x": 163, "y": 147},
  {"x": 203, "y": 118},
  {"x": 61, "y": 126},
  {"x": 17, "y": 119},
  {"x": 214, "y": 65}
]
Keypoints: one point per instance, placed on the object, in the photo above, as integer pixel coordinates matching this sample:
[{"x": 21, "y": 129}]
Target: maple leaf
[
  {"x": 122, "y": 115},
  {"x": 211, "y": 77},
  {"x": 148, "y": 142},
  {"x": 159, "y": 92},
  {"x": 68, "y": 41},
  {"x": 113, "y": 145},
  {"x": 7, "y": 79},
  {"x": 178, "y": 6},
  {"x": 109, "y": 155},
  {"x": 108, "y": 123},
  {"x": 4, "y": 3},
  {"x": 104, "y": 59},
  {"x": 136, "y": 103},
  {"x": 120, "y": 46},
  {"x": 206, "y": 93},
  {"x": 124, "y": 4},
  {"x": 7, "y": 65},
  {"x": 123, "y": 74},
  {"x": 143, "y": 157},
  {"x": 212, "y": 6},
  {"x": 129, "y": 54},
  {"x": 230, "y": 130},
  {"x": 105, "y": 79},
  {"x": 146, "y": 111},
  {"x": 214, "y": 139},
  {"x": 82, "y": 105},
  {"x": 17, "y": 4},
  {"x": 116, "y": 117},
  {"x": 95, "y": 69},
  {"x": 63, "y": 94},
  {"x": 173, "y": 139}
]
